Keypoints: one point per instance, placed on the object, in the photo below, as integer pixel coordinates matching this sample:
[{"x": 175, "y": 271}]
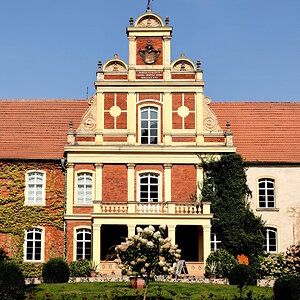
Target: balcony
[{"x": 178, "y": 208}]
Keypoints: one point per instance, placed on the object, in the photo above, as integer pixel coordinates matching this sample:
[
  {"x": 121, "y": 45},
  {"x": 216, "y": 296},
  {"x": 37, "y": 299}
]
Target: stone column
[
  {"x": 167, "y": 118},
  {"x": 99, "y": 118},
  {"x": 168, "y": 182},
  {"x": 131, "y": 118},
  {"x": 199, "y": 171},
  {"x": 130, "y": 182},
  {"x": 199, "y": 119},
  {"x": 70, "y": 188},
  {"x": 98, "y": 188},
  {"x": 97, "y": 244},
  {"x": 131, "y": 229},
  {"x": 206, "y": 242},
  {"x": 171, "y": 233}
]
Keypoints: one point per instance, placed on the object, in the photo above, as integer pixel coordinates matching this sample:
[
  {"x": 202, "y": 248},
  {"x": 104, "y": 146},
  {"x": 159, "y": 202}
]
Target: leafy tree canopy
[{"x": 225, "y": 185}]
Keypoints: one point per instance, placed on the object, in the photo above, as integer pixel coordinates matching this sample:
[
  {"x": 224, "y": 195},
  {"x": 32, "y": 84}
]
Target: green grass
[{"x": 169, "y": 291}]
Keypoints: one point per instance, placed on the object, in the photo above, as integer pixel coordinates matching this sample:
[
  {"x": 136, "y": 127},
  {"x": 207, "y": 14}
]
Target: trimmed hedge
[
  {"x": 242, "y": 275},
  {"x": 12, "y": 284},
  {"x": 287, "y": 287},
  {"x": 56, "y": 270}
]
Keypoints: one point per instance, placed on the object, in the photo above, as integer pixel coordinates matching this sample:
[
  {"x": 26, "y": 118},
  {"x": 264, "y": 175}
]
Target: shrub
[
  {"x": 287, "y": 287},
  {"x": 292, "y": 257},
  {"x": 224, "y": 263},
  {"x": 80, "y": 268},
  {"x": 12, "y": 282},
  {"x": 242, "y": 275},
  {"x": 30, "y": 270},
  {"x": 56, "y": 270},
  {"x": 271, "y": 266}
]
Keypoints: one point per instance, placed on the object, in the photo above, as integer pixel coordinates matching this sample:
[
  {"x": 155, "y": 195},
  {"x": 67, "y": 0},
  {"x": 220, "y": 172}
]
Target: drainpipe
[{"x": 63, "y": 166}]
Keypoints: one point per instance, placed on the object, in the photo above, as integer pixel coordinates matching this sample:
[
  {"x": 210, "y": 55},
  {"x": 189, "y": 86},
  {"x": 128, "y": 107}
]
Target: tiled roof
[
  {"x": 37, "y": 129},
  {"x": 263, "y": 131}
]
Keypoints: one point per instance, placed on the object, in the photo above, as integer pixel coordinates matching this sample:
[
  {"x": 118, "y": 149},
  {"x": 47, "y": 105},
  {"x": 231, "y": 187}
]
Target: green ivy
[
  {"x": 234, "y": 222},
  {"x": 15, "y": 217}
]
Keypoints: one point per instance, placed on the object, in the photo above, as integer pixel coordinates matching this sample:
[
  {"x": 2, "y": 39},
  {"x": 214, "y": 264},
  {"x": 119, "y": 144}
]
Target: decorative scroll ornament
[
  {"x": 183, "y": 66},
  {"x": 211, "y": 123},
  {"x": 149, "y": 55},
  {"x": 88, "y": 121}
]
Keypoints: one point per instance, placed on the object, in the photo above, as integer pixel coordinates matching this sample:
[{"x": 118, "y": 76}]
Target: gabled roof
[
  {"x": 263, "y": 131},
  {"x": 37, "y": 129}
]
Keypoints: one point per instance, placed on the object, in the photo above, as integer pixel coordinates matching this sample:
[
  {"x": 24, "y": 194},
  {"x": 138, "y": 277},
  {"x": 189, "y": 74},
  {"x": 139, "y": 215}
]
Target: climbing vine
[
  {"x": 15, "y": 216},
  {"x": 234, "y": 222}
]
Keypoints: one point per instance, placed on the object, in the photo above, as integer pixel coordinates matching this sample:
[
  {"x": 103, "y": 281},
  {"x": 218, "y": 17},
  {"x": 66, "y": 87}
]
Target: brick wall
[
  {"x": 114, "y": 183},
  {"x": 184, "y": 182}
]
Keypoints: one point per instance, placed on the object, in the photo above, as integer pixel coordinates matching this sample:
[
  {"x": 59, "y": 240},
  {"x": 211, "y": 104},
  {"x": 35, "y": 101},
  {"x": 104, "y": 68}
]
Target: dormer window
[{"x": 149, "y": 126}]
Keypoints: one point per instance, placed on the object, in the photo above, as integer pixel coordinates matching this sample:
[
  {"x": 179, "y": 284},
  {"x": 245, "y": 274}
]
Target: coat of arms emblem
[{"x": 149, "y": 55}]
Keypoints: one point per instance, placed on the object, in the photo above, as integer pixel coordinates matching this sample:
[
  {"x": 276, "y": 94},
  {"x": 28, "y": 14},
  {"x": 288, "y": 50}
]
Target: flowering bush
[
  {"x": 243, "y": 259},
  {"x": 292, "y": 257},
  {"x": 148, "y": 253},
  {"x": 271, "y": 266}
]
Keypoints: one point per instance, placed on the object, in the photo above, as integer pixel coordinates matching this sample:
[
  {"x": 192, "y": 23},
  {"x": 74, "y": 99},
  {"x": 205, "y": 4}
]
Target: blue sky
[{"x": 249, "y": 49}]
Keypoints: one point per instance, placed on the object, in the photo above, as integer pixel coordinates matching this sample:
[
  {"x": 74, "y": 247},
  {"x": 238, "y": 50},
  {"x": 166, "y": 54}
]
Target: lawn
[{"x": 114, "y": 290}]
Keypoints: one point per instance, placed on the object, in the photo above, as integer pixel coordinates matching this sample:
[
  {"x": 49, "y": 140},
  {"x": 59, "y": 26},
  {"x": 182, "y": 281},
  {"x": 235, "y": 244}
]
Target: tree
[{"x": 225, "y": 185}]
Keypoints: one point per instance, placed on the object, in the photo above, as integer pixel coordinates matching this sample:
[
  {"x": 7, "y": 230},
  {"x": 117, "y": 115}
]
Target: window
[
  {"x": 149, "y": 126},
  {"x": 35, "y": 188},
  {"x": 33, "y": 244},
  {"x": 83, "y": 244},
  {"x": 270, "y": 242},
  {"x": 149, "y": 188},
  {"x": 266, "y": 191},
  {"x": 214, "y": 243},
  {"x": 84, "y": 188}
]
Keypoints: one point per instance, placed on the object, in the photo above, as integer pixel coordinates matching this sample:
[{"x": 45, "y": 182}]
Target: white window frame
[
  {"x": 77, "y": 230},
  {"x": 144, "y": 173},
  {"x": 267, "y": 239},
  {"x": 265, "y": 189},
  {"x": 214, "y": 242},
  {"x": 27, "y": 189},
  {"x": 34, "y": 240},
  {"x": 149, "y": 108},
  {"x": 77, "y": 175}
]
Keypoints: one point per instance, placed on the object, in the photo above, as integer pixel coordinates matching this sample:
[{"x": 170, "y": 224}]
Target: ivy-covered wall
[{"x": 16, "y": 217}]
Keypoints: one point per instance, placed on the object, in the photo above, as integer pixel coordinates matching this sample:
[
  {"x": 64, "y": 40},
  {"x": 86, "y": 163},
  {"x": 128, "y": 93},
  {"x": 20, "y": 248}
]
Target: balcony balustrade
[{"x": 178, "y": 208}]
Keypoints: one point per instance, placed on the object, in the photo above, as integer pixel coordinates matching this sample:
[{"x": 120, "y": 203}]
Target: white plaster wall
[{"x": 286, "y": 216}]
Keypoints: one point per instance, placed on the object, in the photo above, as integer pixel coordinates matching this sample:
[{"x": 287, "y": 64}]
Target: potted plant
[
  {"x": 93, "y": 268},
  {"x": 211, "y": 270}
]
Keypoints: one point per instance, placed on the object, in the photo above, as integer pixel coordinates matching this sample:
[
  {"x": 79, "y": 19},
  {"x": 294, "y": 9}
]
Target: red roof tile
[
  {"x": 37, "y": 129},
  {"x": 263, "y": 131}
]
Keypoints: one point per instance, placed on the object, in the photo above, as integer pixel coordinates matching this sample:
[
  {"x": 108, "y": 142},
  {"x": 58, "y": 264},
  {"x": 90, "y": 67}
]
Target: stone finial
[
  {"x": 198, "y": 65},
  {"x": 71, "y": 125},
  {"x": 228, "y": 131},
  {"x": 99, "y": 66},
  {"x": 182, "y": 55},
  {"x": 116, "y": 55},
  {"x": 167, "y": 20},
  {"x": 131, "y": 21},
  {"x": 71, "y": 134},
  {"x": 228, "y": 135}
]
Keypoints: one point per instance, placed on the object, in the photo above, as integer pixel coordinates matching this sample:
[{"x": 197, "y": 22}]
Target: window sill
[
  {"x": 34, "y": 261},
  {"x": 267, "y": 209}
]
